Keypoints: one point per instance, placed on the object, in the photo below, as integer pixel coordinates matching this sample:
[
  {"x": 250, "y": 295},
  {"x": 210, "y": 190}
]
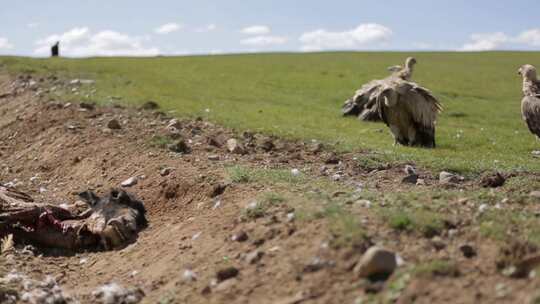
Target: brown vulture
[
  {"x": 530, "y": 104},
  {"x": 364, "y": 102},
  {"x": 410, "y": 111}
]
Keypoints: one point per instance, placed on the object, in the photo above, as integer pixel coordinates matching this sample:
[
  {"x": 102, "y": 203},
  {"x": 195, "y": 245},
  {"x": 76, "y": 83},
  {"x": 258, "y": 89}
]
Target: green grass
[
  {"x": 299, "y": 96},
  {"x": 242, "y": 174}
]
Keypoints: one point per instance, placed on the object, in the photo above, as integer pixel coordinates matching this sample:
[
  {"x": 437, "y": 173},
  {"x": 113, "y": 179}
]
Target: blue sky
[{"x": 146, "y": 28}]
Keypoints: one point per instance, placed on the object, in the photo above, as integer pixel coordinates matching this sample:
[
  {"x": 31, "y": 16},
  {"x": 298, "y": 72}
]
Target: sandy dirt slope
[{"x": 54, "y": 150}]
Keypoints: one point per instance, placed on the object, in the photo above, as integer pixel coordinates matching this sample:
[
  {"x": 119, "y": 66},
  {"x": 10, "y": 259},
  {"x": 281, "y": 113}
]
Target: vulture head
[
  {"x": 410, "y": 62},
  {"x": 528, "y": 72}
]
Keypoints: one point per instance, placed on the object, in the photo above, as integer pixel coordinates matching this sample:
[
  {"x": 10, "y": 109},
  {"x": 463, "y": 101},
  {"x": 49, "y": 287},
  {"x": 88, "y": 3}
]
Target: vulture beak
[{"x": 519, "y": 72}]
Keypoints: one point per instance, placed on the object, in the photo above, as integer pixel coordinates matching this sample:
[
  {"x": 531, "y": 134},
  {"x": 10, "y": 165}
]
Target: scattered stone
[
  {"x": 132, "y": 181},
  {"x": 438, "y": 243},
  {"x": 113, "y": 124},
  {"x": 467, "y": 250},
  {"x": 150, "y": 105},
  {"x": 213, "y": 157},
  {"x": 87, "y": 106},
  {"x": 411, "y": 179},
  {"x": 420, "y": 182},
  {"x": 449, "y": 178},
  {"x": 315, "y": 265},
  {"x": 332, "y": 159},
  {"x": 180, "y": 146},
  {"x": 227, "y": 273},
  {"x": 165, "y": 171},
  {"x": 240, "y": 236},
  {"x": 295, "y": 172},
  {"x": 189, "y": 275},
  {"x": 535, "y": 194},
  {"x": 217, "y": 190},
  {"x": 113, "y": 294},
  {"x": 225, "y": 285},
  {"x": 493, "y": 180},
  {"x": 316, "y": 147},
  {"x": 235, "y": 147},
  {"x": 174, "y": 125},
  {"x": 254, "y": 256},
  {"x": 267, "y": 145},
  {"x": 524, "y": 267},
  {"x": 409, "y": 170},
  {"x": 376, "y": 261},
  {"x": 217, "y": 141}
]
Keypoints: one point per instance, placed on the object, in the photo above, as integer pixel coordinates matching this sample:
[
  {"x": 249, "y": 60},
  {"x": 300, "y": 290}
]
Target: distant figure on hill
[{"x": 55, "y": 49}]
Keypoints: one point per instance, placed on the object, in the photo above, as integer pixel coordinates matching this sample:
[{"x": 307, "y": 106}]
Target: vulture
[
  {"x": 404, "y": 73},
  {"x": 364, "y": 104},
  {"x": 410, "y": 111},
  {"x": 530, "y": 104}
]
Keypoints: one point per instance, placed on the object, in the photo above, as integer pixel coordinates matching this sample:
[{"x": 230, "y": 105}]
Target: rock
[
  {"x": 113, "y": 293},
  {"x": 411, "y": 179},
  {"x": 535, "y": 194},
  {"x": 165, "y": 171},
  {"x": 174, "y": 125},
  {"x": 420, "y": 182},
  {"x": 409, "y": 170},
  {"x": 467, "y": 250},
  {"x": 189, "y": 276},
  {"x": 235, "y": 147},
  {"x": 87, "y": 106},
  {"x": 254, "y": 256},
  {"x": 493, "y": 180},
  {"x": 213, "y": 157},
  {"x": 227, "y": 273},
  {"x": 267, "y": 145},
  {"x": 150, "y": 105},
  {"x": 316, "y": 147},
  {"x": 180, "y": 146},
  {"x": 226, "y": 285},
  {"x": 217, "y": 141},
  {"x": 376, "y": 261},
  {"x": 315, "y": 265},
  {"x": 132, "y": 181},
  {"x": 113, "y": 124},
  {"x": 438, "y": 243},
  {"x": 240, "y": 236},
  {"x": 295, "y": 172},
  {"x": 332, "y": 159},
  {"x": 449, "y": 178}
]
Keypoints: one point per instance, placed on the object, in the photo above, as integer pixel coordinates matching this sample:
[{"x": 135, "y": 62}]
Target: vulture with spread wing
[
  {"x": 530, "y": 104},
  {"x": 364, "y": 102},
  {"x": 410, "y": 111}
]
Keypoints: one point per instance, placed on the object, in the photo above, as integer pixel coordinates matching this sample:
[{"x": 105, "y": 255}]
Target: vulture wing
[
  {"x": 410, "y": 111},
  {"x": 530, "y": 109},
  {"x": 395, "y": 68}
]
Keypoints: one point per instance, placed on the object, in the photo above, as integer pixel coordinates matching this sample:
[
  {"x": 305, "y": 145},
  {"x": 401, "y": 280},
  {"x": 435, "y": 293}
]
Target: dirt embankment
[{"x": 200, "y": 246}]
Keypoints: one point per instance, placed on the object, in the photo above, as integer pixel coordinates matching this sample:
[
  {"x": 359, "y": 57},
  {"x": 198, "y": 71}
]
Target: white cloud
[
  {"x": 264, "y": 41},
  {"x": 361, "y": 36},
  {"x": 256, "y": 30},
  {"x": 32, "y": 25},
  {"x": 485, "y": 42},
  {"x": 5, "y": 44},
  {"x": 530, "y": 37},
  {"x": 499, "y": 40},
  {"x": 81, "y": 42},
  {"x": 207, "y": 28},
  {"x": 168, "y": 28}
]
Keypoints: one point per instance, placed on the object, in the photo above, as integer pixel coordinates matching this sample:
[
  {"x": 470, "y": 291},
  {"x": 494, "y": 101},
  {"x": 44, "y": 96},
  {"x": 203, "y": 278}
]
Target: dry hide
[{"x": 110, "y": 222}]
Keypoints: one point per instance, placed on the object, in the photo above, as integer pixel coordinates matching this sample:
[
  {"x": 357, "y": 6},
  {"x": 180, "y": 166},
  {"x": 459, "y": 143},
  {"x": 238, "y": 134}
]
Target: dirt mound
[{"x": 218, "y": 232}]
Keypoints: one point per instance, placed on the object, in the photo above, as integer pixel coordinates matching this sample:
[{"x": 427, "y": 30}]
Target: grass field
[{"x": 300, "y": 95}]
